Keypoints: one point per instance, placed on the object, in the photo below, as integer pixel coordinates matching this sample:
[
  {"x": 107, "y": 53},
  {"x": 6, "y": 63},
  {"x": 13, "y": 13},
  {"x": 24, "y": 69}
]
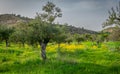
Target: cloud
[
  {"x": 83, "y": 13},
  {"x": 23, "y": 7}
]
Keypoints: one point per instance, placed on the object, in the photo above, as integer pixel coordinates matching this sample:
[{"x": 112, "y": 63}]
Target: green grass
[{"x": 18, "y": 60}]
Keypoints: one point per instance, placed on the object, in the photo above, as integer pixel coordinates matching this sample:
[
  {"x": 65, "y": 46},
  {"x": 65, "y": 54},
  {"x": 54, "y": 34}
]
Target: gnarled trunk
[
  {"x": 43, "y": 44},
  {"x": 7, "y": 43},
  {"x": 43, "y": 50}
]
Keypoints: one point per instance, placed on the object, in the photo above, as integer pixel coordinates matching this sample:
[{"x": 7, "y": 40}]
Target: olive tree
[
  {"x": 20, "y": 33},
  {"x": 69, "y": 38},
  {"x": 42, "y": 27},
  {"x": 42, "y": 32},
  {"x": 5, "y": 32},
  {"x": 79, "y": 38},
  {"x": 60, "y": 37}
]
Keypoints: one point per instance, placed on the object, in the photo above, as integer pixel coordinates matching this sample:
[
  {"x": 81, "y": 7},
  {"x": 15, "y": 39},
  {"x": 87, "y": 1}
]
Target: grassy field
[{"x": 83, "y": 58}]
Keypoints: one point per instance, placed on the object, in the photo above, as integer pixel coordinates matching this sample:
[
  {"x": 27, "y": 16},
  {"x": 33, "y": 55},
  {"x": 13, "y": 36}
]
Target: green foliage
[
  {"x": 60, "y": 35},
  {"x": 51, "y": 12},
  {"x": 5, "y": 32},
  {"x": 79, "y": 38},
  {"x": 69, "y": 38},
  {"x": 114, "y": 46},
  {"x": 41, "y": 31},
  {"x": 21, "y": 33}
]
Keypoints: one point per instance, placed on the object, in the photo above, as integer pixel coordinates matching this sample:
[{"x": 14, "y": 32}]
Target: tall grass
[{"x": 83, "y": 58}]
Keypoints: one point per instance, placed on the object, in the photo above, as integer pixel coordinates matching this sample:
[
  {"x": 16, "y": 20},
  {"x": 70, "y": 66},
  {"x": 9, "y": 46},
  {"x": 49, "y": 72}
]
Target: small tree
[
  {"x": 69, "y": 38},
  {"x": 101, "y": 37},
  {"x": 88, "y": 37},
  {"x": 79, "y": 38},
  {"x": 5, "y": 32}
]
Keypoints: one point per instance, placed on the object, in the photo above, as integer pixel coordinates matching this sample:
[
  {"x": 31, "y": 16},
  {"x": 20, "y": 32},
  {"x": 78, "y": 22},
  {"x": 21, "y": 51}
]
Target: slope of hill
[
  {"x": 12, "y": 19},
  {"x": 114, "y": 33},
  {"x": 79, "y": 30},
  {"x": 110, "y": 29}
]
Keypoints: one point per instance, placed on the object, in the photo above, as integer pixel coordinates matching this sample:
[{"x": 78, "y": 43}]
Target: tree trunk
[
  {"x": 7, "y": 44},
  {"x": 23, "y": 44},
  {"x": 43, "y": 50}
]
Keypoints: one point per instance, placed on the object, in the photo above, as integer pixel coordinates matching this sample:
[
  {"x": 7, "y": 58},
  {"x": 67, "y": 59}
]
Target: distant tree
[
  {"x": 69, "y": 38},
  {"x": 88, "y": 37},
  {"x": 20, "y": 34},
  {"x": 79, "y": 38},
  {"x": 101, "y": 37},
  {"x": 105, "y": 36},
  {"x": 42, "y": 27},
  {"x": 114, "y": 17},
  {"x": 60, "y": 37},
  {"x": 5, "y": 32},
  {"x": 93, "y": 37}
]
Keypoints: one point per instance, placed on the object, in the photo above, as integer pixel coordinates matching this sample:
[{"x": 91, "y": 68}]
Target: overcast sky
[{"x": 89, "y": 14}]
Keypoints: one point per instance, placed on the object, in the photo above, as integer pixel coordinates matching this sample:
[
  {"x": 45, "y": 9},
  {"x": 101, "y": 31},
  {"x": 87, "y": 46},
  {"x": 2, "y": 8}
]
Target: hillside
[
  {"x": 111, "y": 29},
  {"x": 12, "y": 19},
  {"x": 114, "y": 33},
  {"x": 79, "y": 30}
]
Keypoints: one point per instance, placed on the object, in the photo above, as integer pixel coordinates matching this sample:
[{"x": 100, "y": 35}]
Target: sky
[{"x": 89, "y": 14}]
